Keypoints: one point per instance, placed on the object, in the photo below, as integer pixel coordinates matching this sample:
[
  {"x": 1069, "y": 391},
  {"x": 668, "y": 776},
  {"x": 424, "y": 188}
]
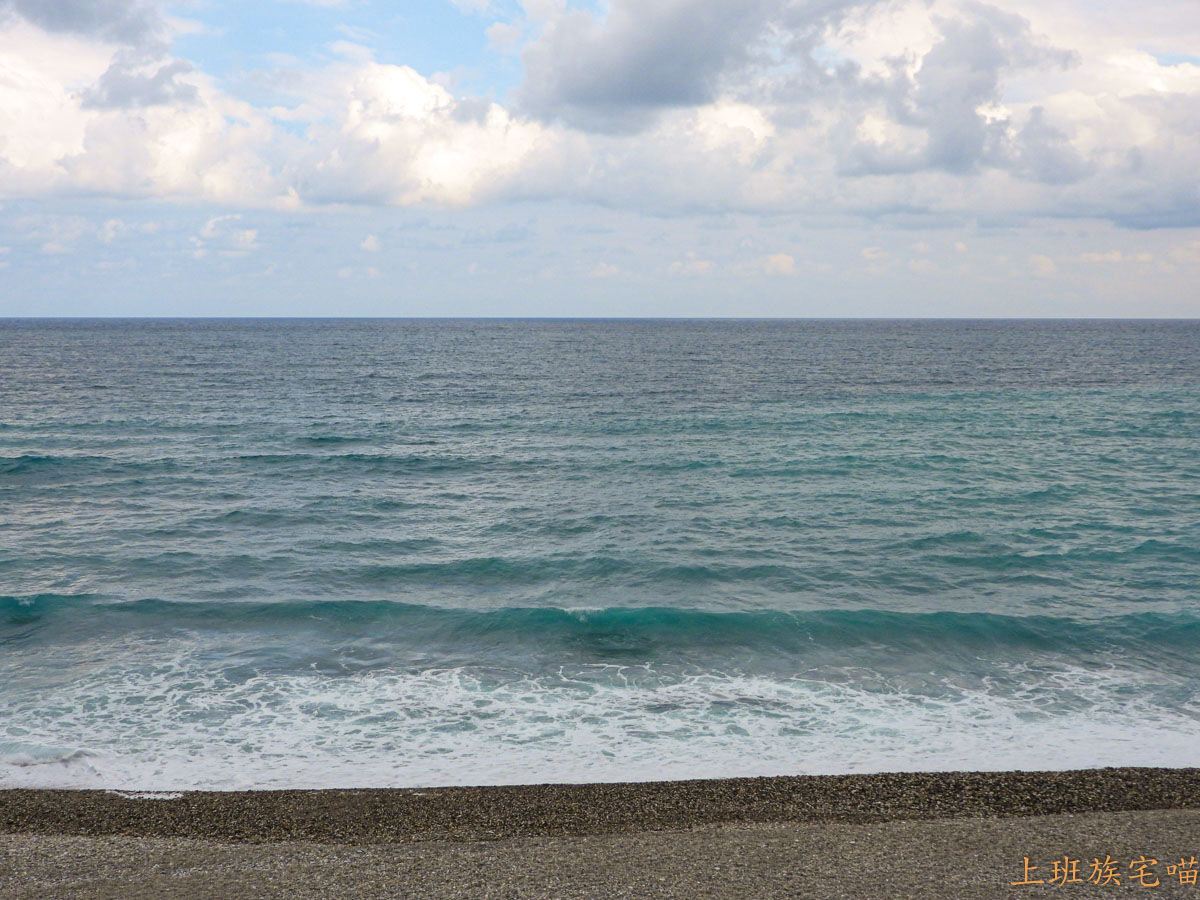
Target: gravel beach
[{"x": 861, "y": 836}]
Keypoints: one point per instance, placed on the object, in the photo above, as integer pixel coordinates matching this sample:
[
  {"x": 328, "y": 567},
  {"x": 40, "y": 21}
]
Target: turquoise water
[{"x": 333, "y": 553}]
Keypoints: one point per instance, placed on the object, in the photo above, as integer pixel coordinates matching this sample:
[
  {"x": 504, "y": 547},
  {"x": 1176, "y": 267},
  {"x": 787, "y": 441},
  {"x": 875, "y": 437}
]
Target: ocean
[{"x": 365, "y": 553}]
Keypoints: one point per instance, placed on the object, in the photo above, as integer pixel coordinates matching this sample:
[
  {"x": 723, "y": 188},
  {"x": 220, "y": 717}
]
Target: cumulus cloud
[
  {"x": 373, "y": 133},
  {"x": 1186, "y": 254},
  {"x": 54, "y": 234},
  {"x": 945, "y": 112},
  {"x": 385, "y": 134},
  {"x": 842, "y": 110},
  {"x": 1042, "y": 266},
  {"x": 220, "y": 233},
  {"x": 133, "y": 129},
  {"x": 368, "y": 272},
  {"x": 879, "y": 108},
  {"x": 611, "y": 72},
  {"x": 1043, "y": 152},
  {"x": 604, "y": 270},
  {"x": 131, "y": 22},
  {"x": 779, "y": 264},
  {"x": 1114, "y": 256},
  {"x": 114, "y": 229},
  {"x": 691, "y": 265},
  {"x": 130, "y": 84}
]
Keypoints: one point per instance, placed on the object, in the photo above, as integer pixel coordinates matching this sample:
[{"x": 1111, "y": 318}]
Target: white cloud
[
  {"x": 370, "y": 244},
  {"x": 1186, "y": 253},
  {"x": 349, "y": 272},
  {"x": 353, "y": 51},
  {"x": 55, "y": 234},
  {"x": 936, "y": 109},
  {"x": 604, "y": 270},
  {"x": 358, "y": 34},
  {"x": 231, "y": 242},
  {"x": 244, "y": 239},
  {"x": 385, "y": 134},
  {"x": 473, "y": 6},
  {"x": 691, "y": 265},
  {"x": 1114, "y": 256},
  {"x": 116, "y": 229},
  {"x": 202, "y": 145},
  {"x": 1042, "y": 266},
  {"x": 111, "y": 230},
  {"x": 212, "y": 227},
  {"x": 779, "y": 264}
]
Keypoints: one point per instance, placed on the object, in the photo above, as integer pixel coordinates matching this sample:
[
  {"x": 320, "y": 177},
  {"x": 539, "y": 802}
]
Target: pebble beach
[{"x": 895, "y": 835}]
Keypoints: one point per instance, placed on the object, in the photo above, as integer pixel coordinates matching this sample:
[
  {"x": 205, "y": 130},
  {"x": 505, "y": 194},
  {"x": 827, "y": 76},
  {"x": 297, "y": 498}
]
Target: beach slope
[{"x": 861, "y": 836}]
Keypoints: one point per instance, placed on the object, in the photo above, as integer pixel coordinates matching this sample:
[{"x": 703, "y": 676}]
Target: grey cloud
[
  {"x": 130, "y": 22},
  {"x": 1153, "y": 184},
  {"x": 1041, "y": 152},
  {"x": 125, "y": 85},
  {"x": 616, "y": 74},
  {"x": 958, "y": 74},
  {"x": 962, "y": 72},
  {"x": 1174, "y": 211},
  {"x": 139, "y": 76},
  {"x": 471, "y": 109}
]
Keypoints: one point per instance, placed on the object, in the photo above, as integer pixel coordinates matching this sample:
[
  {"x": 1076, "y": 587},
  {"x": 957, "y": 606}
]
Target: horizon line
[{"x": 518, "y": 318}]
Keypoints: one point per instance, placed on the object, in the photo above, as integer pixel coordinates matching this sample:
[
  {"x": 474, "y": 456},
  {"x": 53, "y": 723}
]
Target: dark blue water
[{"x": 317, "y": 553}]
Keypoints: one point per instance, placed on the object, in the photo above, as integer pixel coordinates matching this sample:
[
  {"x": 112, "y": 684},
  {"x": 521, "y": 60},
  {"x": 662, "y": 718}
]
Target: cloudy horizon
[{"x": 543, "y": 158}]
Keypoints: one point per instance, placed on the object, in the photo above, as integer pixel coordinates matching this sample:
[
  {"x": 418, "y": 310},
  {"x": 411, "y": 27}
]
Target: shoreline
[
  {"x": 403, "y": 815},
  {"x": 913, "y": 836}
]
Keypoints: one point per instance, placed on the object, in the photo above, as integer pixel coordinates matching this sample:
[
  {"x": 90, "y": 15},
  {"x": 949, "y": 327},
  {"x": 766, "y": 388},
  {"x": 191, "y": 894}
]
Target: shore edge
[{"x": 400, "y": 815}]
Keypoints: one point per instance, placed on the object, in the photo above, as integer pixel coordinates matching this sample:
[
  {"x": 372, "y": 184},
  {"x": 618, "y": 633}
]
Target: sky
[{"x": 611, "y": 158}]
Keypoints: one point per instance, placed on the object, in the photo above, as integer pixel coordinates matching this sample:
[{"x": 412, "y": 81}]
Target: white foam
[
  {"x": 183, "y": 725},
  {"x": 148, "y": 795}
]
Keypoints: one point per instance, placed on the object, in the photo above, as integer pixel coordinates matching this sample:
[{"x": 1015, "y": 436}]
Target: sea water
[{"x": 369, "y": 553}]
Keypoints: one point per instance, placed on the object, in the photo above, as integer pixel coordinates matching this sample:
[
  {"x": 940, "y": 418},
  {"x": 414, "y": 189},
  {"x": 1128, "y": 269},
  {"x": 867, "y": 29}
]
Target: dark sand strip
[
  {"x": 491, "y": 813},
  {"x": 943, "y": 859},
  {"x": 952, "y": 835}
]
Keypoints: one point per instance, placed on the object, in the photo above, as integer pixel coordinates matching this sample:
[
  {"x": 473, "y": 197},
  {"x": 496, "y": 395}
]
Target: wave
[
  {"x": 29, "y": 463},
  {"x": 50, "y": 468},
  {"x": 658, "y": 627},
  {"x": 322, "y": 440},
  {"x": 385, "y": 463},
  {"x": 187, "y": 718}
]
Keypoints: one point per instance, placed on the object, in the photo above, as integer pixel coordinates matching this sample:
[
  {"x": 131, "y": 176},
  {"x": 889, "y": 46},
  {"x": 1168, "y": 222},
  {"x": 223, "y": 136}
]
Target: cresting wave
[
  {"x": 155, "y": 695},
  {"x": 654, "y": 629},
  {"x": 174, "y": 721}
]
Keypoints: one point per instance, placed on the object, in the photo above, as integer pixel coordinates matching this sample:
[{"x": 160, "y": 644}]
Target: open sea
[{"x": 331, "y": 553}]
